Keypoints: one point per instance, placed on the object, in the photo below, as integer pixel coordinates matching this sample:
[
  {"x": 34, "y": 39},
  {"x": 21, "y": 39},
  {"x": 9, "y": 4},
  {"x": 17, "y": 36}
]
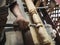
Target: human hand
[{"x": 22, "y": 22}]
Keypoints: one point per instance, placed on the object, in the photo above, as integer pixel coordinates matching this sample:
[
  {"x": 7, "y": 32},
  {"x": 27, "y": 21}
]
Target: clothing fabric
[{"x": 4, "y": 4}]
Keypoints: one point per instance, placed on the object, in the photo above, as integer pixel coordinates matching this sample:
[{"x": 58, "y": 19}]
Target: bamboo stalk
[
  {"x": 32, "y": 10},
  {"x": 33, "y": 33},
  {"x": 34, "y": 36}
]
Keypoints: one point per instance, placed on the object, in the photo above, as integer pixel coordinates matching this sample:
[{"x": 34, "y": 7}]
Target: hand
[{"x": 22, "y": 22}]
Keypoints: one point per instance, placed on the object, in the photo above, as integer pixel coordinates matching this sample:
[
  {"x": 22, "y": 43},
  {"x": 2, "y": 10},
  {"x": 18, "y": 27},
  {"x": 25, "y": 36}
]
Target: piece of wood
[
  {"x": 36, "y": 18},
  {"x": 33, "y": 32}
]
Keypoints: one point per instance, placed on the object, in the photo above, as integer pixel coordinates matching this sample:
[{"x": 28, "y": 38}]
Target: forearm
[{"x": 16, "y": 10}]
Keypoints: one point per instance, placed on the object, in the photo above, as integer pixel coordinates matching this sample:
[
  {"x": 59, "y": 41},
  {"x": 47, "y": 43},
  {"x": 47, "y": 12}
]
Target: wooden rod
[{"x": 37, "y": 20}]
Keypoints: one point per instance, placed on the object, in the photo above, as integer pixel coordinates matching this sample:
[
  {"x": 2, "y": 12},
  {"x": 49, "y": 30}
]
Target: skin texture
[{"x": 20, "y": 20}]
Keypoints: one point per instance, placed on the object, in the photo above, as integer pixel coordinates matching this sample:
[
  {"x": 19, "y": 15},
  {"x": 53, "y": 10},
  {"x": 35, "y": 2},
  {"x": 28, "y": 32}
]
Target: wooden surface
[{"x": 37, "y": 20}]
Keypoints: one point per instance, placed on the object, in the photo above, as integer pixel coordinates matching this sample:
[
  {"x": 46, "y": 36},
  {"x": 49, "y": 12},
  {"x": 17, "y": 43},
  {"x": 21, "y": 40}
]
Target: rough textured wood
[
  {"x": 34, "y": 36},
  {"x": 33, "y": 33},
  {"x": 43, "y": 33}
]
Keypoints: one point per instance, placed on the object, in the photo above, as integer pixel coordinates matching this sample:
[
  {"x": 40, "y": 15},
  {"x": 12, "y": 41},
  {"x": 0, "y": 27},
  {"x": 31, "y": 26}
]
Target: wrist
[{"x": 19, "y": 16}]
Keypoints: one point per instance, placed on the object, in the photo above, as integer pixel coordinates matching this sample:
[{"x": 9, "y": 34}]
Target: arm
[
  {"x": 19, "y": 18},
  {"x": 15, "y": 10}
]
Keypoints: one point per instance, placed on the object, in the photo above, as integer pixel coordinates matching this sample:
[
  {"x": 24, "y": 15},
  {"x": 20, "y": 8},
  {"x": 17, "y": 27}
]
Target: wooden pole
[{"x": 36, "y": 18}]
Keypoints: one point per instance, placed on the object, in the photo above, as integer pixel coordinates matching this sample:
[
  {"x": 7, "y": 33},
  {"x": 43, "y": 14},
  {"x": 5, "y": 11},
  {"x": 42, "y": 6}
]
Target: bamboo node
[
  {"x": 46, "y": 42},
  {"x": 33, "y": 25},
  {"x": 39, "y": 25},
  {"x": 33, "y": 12}
]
